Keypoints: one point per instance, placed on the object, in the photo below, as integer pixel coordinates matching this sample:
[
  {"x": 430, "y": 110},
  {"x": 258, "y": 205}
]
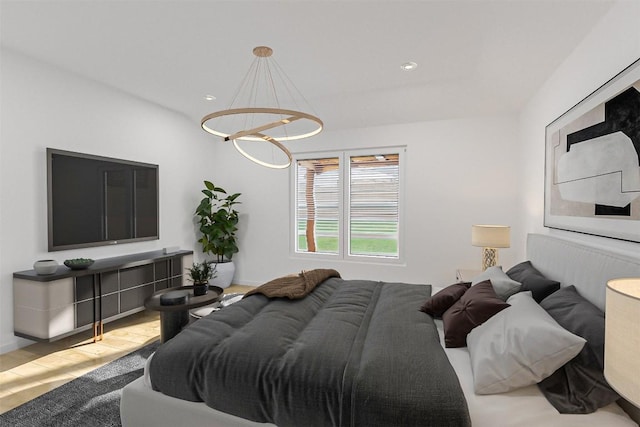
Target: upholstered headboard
[{"x": 586, "y": 267}]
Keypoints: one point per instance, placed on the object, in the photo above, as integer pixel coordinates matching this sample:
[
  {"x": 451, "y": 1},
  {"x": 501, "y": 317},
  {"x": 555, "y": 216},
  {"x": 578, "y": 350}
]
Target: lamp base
[{"x": 489, "y": 257}]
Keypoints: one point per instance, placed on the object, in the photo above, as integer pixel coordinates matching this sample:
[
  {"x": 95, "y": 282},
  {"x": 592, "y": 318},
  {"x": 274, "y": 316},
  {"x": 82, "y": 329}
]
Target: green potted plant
[
  {"x": 218, "y": 220},
  {"x": 200, "y": 274}
]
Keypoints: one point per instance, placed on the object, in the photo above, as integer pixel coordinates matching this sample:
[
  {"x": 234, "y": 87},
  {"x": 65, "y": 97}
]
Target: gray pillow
[
  {"x": 519, "y": 346},
  {"x": 579, "y": 387},
  {"x": 532, "y": 280},
  {"x": 502, "y": 284}
]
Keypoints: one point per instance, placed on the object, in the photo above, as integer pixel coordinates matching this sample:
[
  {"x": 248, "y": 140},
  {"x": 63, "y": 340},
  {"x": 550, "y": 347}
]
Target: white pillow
[
  {"x": 502, "y": 284},
  {"x": 519, "y": 346}
]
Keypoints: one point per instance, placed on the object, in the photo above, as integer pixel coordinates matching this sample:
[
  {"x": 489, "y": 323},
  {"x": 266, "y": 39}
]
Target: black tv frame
[{"x": 50, "y": 241}]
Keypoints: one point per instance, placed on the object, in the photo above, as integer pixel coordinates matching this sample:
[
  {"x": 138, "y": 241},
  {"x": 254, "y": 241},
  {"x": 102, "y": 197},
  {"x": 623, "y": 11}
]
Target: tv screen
[{"x": 94, "y": 201}]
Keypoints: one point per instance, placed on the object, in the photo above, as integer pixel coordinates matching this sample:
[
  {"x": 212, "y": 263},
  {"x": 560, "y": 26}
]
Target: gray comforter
[{"x": 351, "y": 353}]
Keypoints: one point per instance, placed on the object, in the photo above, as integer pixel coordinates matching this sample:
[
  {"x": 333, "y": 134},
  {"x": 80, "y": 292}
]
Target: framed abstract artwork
[{"x": 592, "y": 173}]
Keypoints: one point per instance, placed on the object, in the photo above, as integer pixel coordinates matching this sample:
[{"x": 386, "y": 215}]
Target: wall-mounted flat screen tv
[{"x": 94, "y": 200}]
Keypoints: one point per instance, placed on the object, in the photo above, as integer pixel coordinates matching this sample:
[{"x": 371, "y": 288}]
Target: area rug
[{"x": 90, "y": 400}]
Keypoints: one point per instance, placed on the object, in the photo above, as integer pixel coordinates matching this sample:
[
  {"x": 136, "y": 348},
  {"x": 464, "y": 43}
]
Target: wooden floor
[{"x": 28, "y": 372}]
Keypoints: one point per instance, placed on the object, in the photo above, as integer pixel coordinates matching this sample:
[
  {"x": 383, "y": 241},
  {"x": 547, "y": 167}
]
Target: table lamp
[
  {"x": 490, "y": 238},
  {"x": 622, "y": 338}
]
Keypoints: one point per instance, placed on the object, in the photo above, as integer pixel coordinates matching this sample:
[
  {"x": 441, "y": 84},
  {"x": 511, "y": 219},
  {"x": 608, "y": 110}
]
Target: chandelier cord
[
  {"x": 244, "y": 82},
  {"x": 288, "y": 85}
]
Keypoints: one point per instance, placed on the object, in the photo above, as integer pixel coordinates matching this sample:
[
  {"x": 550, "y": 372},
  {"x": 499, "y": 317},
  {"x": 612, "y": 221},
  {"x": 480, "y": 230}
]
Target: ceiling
[{"x": 475, "y": 57}]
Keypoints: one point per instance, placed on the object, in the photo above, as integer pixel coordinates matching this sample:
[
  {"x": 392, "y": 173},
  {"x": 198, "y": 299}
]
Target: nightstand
[{"x": 466, "y": 275}]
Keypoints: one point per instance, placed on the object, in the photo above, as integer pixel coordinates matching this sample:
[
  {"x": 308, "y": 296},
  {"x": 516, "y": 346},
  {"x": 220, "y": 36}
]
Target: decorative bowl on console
[
  {"x": 45, "y": 266},
  {"x": 78, "y": 263}
]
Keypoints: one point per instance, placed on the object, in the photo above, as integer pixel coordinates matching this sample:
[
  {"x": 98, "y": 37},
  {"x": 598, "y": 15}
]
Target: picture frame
[{"x": 592, "y": 171}]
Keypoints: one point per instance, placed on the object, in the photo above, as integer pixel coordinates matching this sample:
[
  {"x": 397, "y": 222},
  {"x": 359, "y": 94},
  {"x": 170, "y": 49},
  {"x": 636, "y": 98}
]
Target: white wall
[
  {"x": 42, "y": 106},
  {"x": 612, "y": 45},
  {"x": 458, "y": 173}
]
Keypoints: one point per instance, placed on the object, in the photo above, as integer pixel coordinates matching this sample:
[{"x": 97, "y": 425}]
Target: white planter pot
[{"x": 224, "y": 274}]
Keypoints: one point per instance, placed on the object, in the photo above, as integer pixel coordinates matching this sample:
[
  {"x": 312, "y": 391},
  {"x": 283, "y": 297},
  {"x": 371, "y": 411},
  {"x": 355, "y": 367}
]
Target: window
[{"x": 348, "y": 204}]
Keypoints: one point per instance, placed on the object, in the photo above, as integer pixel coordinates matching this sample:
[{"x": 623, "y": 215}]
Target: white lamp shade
[
  {"x": 491, "y": 236},
  {"x": 622, "y": 338}
]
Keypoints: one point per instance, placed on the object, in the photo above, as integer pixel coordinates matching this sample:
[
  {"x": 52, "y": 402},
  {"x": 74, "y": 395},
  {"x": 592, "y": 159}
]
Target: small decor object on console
[
  {"x": 78, "y": 263},
  {"x": 45, "y": 266}
]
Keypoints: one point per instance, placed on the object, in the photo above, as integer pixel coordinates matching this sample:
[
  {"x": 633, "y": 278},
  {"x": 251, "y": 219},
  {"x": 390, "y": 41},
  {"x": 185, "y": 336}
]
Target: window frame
[{"x": 344, "y": 192}]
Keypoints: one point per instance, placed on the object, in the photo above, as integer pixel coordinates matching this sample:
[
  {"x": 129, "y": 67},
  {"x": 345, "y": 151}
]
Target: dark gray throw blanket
[{"x": 351, "y": 353}]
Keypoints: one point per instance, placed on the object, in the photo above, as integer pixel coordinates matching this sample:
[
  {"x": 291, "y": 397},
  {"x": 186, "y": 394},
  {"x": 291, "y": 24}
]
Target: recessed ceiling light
[
  {"x": 209, "y": 97},
  {"x": 409, "y": 66}
]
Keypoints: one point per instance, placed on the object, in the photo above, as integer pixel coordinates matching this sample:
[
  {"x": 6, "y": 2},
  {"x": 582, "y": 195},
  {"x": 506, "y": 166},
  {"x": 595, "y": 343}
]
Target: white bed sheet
[{"x": 526, "y": 406}]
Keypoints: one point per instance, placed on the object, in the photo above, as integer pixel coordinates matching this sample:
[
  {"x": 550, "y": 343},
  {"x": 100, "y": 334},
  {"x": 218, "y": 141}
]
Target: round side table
[{"x": 174, "y": 311}]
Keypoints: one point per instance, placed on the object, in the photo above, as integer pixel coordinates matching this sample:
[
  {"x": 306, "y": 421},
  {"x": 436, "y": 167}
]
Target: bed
[{"x": 561, "y": 260}]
